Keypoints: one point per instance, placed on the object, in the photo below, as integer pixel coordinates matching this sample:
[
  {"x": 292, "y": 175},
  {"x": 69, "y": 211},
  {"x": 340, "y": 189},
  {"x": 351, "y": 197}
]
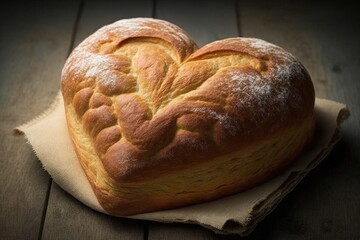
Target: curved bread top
[{"x": 152, "y": 104}]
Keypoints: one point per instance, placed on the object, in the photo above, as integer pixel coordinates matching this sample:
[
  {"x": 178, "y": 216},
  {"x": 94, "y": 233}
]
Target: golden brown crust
[{"x": 151, "y": 117}]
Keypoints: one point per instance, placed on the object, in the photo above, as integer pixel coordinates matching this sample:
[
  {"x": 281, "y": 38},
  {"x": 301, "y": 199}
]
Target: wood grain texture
[
  {"x": 205, "y": 21},
  {"x": 84, "y": 223},
  {"x": 34, "y": 41},
  {"x": 179, "y": 231},
  {"x": 67, "y": 218},
  {"x": 98, "y": 14},
  {"x": 325, "y": 38}
]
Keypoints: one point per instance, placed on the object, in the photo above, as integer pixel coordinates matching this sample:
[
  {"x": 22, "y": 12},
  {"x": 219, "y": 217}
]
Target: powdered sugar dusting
[
  {"x": 90, "y": 66},
  {"x": 108, "y": 79},
  {"x": 283, "y": 66},
  {"x": 254, "y": 90},
  {"x": 131, "y": 27},
  {"x": 223, "y": 118},
  {"x": 286, "y": 64},
  {"x": 177, "y": 32},
  {"x": 92, "y": 63},
  {"x": 212, "y": 114},
  {"x": 260, "y": 45}
]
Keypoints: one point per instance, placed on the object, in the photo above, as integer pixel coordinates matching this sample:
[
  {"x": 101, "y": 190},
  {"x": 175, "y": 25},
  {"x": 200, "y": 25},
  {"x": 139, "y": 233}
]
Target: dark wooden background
[{"x": 37, "y": 36}]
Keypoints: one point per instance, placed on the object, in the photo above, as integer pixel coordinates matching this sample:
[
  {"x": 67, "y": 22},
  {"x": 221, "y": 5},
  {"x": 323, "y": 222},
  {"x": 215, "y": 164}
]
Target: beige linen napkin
[{"x": 238, "y": 214}]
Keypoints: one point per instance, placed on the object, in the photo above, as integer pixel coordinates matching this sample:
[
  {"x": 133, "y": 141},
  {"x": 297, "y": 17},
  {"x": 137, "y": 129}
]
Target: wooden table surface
[{"x": 37, "y": 36}]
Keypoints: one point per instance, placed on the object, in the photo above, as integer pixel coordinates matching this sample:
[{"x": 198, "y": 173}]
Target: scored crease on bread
[{"x": 157, "y": 123}]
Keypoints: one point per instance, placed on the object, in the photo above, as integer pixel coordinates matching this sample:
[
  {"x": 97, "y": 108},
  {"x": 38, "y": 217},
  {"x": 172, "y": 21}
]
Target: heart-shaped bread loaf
[{"x": 157, "y": 123}]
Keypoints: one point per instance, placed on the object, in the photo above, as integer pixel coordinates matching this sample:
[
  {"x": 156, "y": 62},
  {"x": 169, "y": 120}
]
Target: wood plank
[
  {"x": 97, "y": 14},
  {"x": 67, "y": 218},
  {"x": 179, "y": 231},
  {"x": 205, "y": 21},
  {"x": 34, "y": 40},
  {"x": 78, "y": 221},
  {"x": 325, "y": 38},
  {"x": 284, "y": 26}
]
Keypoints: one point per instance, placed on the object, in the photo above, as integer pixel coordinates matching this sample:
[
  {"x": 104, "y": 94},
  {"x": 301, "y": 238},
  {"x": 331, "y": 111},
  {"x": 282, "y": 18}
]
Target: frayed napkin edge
[
  {"x": 17, "y": 131},
  {"x": 230, "y": 226}
]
